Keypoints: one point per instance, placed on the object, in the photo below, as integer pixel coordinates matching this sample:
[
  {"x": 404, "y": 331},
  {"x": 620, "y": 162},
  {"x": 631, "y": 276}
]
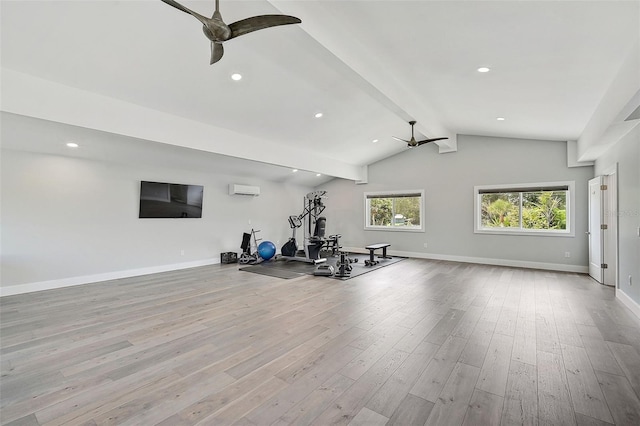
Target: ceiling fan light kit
[
  {"x": 413, "y": 142},
  {"x": 218, "y": 32}
]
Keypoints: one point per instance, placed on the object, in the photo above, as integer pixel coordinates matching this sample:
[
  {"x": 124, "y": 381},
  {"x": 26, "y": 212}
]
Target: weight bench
[{"x": 372, "y": 248}]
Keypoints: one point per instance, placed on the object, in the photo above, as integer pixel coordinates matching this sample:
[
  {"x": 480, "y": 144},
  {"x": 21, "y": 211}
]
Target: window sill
[
  {"x": 392, "y": 229},
  {"x": 525, "y": 233}
]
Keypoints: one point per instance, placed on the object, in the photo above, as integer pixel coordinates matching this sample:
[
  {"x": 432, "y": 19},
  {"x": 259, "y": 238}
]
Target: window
[
  {"x": 394, "y": 210},
  {"x": 534, "y": 209}
]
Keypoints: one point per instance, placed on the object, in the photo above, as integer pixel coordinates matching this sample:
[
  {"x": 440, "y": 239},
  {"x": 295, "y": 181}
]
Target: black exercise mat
[
  {"x": 359, "y": 268},
  {"x": 287, "y": 269},
  {"x": 272, "y": 272}
]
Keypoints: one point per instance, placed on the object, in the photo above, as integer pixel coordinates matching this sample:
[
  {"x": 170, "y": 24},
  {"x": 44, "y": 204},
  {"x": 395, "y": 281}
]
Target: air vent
[{"x": 235, "y": 189}]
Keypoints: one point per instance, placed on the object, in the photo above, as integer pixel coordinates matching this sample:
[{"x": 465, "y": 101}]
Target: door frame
[
  {"x": 610, "y": 178},
  {"x": 595, "y": 232}
]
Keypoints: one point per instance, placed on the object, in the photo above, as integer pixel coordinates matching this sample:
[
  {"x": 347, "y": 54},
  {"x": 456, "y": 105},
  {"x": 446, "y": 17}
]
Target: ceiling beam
[
  {"x": 606, "y": 126},
  {"x": 373, "y": 79},
  {"x": 34, "y": 97}
]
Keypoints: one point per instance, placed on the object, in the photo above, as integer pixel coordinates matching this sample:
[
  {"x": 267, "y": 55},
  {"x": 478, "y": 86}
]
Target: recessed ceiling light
[
  {"x": 318, "y": 174},
  {"x": 294, "y": 170},
  {"x": 236, "y": 77},
  {"x": 318, "y": 115},
  {"x": 375, "y": 141},
  {"x": 500, "y": 118},
  {"x": 484, "y": 69},
  {"x": 72, "y": 144}
]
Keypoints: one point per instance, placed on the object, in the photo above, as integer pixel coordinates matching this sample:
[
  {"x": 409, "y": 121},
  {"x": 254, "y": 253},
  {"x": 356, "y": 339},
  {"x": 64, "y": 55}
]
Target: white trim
[
  {"x": 611, "y": 216},
  {"x": 628, "y": 302},
  {"x": 482, "y": 260},
  {"x": 518, "y": 231},
  {"x": 572, "y": 156},
  {"x": 394, "y": 229},
  {"x": 88, "y": 279},
  {"x": 570, "y": 217},
  {"x": 420, "y": 228}
]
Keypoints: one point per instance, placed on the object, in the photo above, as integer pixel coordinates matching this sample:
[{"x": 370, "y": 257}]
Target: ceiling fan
[
  {"x": 413, "y": 142},
  {"x": 218, "y": 32}
]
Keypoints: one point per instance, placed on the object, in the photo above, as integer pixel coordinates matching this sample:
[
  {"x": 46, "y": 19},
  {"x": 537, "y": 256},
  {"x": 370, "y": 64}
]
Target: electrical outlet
[
  {"x": 249, "y": 221},
  {"x": 567, "y": 254},
  {"x": 425, "y": 245},
  {"x": 182, "y": 252}
]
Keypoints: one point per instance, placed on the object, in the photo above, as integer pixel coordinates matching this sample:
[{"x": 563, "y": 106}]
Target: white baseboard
[
  {"x": 482, "y": 260},
  {"x": 88, "y": 279},
  {"x": 628, "y": 302}
]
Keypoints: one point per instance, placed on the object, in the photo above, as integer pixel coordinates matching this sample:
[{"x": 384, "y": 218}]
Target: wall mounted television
[{"x": 170, "y": 200}]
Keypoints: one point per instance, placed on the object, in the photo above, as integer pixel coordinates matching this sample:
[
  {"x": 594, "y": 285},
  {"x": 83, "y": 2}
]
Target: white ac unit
[{"x": 235, "y": 189}]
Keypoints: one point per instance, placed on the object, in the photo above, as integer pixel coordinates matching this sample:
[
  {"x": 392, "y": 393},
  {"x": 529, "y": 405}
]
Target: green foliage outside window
[
  {"x": 394, "y": 211},
  {"x": 501, "y": 210},
  {"x": 381, "y": 211},
  {"x": 525, "y": 210}
]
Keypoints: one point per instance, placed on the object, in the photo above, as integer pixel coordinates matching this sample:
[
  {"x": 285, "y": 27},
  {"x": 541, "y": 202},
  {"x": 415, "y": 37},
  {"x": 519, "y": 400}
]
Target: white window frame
[
  {"x": 392, "y": 194},
  {"x": 569, "y": 232}
]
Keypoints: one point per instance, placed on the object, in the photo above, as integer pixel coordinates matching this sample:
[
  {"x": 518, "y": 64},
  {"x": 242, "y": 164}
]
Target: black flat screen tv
[{"x": 170, "y": 200}]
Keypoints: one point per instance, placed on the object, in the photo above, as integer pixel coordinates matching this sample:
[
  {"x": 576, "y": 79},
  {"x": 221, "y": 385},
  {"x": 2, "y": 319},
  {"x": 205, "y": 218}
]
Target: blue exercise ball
[{"x": 266, "y": 250}]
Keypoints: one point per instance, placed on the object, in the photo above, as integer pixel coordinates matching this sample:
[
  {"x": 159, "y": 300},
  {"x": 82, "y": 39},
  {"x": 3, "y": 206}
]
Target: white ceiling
[
  {"x": 369, "y": 66},
  {"x": 22, "y": 133}
]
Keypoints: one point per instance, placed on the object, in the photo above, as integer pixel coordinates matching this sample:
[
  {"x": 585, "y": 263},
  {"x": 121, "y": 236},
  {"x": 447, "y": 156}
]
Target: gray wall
[
  {"x": 448, "y": 181},
  {"x": 626, "y": 153},
  {"x": 66, "y": 217}
]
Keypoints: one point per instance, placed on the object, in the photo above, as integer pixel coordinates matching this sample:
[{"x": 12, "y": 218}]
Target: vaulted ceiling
[{"x": 141, "y": 69}]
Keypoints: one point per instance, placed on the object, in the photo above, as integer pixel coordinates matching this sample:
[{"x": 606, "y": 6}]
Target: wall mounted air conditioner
[{"x": 235, "y": 189}]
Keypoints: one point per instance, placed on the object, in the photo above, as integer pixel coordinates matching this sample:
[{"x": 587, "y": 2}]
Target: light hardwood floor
[{"x": 418, "y": 342}]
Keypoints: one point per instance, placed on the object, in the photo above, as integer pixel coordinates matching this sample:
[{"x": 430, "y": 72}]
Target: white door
[
  {"x": 610, "y": 218},
  {"x": 596, "y": 252}
]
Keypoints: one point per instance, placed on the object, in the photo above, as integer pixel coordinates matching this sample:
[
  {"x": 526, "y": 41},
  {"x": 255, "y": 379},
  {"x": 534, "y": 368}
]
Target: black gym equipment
[
  {"x": 324, "y": 270},
  {"x": 372, "y": 248},
  {"x": 343, "y": 265},
  {"x": 290, "y": 248},
  {"x": 248, "y": 255},
  {"x": 314, "y": 229}
]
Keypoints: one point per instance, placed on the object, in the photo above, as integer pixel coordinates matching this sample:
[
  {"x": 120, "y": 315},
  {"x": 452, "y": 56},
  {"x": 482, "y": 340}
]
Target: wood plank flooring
[{"x": 419, "y": 342}]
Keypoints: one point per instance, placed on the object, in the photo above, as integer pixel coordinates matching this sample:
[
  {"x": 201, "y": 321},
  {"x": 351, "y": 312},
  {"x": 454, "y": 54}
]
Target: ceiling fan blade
[
  {"x": 186, "y": 10},
  {"x": 260, "y": 22},
  {"x": 401, "y": 140},
  {"x": 217, "y": 50},
  {"x": 430, "y": 140}
]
